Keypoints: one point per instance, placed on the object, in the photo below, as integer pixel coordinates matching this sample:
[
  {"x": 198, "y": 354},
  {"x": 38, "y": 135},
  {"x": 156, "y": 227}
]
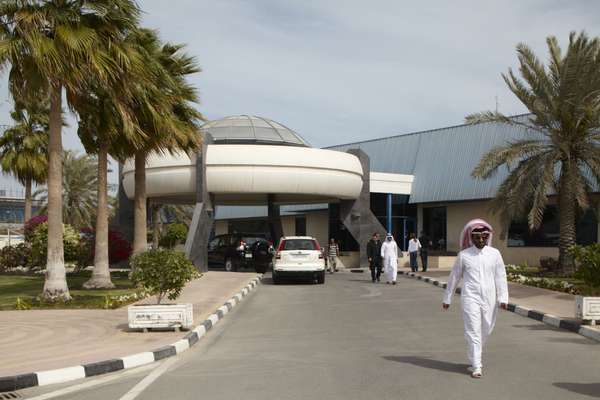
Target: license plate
[{"x": 248, "y": 255}]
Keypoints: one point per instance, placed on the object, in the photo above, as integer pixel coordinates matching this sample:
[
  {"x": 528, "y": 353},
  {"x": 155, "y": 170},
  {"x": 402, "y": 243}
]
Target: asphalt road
[{"x": 351, "y": 339}]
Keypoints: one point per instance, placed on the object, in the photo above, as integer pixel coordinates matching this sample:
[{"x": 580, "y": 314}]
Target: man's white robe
[
  {"x": 484, "y": 288},
  {"x": 389, "y": 255}
]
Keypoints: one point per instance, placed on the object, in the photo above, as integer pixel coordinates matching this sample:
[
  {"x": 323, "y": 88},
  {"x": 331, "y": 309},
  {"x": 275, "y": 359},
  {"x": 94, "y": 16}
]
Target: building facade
[{"x": 422, "y": 182}]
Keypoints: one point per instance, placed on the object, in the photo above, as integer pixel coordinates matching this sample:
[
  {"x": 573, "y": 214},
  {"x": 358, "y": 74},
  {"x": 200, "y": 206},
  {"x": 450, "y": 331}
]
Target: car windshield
[{"x": 299, "y": 244}]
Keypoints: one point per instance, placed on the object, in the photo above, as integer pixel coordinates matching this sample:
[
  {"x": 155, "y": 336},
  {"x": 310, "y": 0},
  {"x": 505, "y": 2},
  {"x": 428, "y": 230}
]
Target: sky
[{"x": 339, "y": 71}]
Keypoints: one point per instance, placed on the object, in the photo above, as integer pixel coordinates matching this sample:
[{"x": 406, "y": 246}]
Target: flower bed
[{"x": 526, "y": 276}]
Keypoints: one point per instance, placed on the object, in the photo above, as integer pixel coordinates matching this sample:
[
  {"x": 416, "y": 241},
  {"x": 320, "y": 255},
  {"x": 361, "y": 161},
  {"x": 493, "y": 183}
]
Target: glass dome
[{"x": 249, "y": 129}]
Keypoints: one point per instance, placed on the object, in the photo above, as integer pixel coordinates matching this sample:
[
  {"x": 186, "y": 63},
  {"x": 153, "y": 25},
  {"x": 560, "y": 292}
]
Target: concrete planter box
[
  {"x": 161, "y": 316},
  {"x": 587, "y": 308}
]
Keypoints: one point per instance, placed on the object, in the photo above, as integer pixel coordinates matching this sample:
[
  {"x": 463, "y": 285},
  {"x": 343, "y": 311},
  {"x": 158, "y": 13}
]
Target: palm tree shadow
[
  {"x": 589, "y": 389},
  {"x": 425, "y": 362}
]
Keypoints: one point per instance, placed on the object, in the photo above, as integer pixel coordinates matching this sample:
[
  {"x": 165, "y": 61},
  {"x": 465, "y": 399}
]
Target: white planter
[
  {"x": 587, "y": 308},
  {"x": 161, "y": 316}
]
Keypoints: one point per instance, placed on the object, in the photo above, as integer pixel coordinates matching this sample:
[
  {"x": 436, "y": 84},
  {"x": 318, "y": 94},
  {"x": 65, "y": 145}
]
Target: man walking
[
  {"x": 374, "y": 256},
  {"x": 332, "y": 254},
  {"x": 413, "y": 250},
  {"x": 482, "y": 271},
  {"x": 425, "y": 245},
  {"x": 389, "y": 254}
]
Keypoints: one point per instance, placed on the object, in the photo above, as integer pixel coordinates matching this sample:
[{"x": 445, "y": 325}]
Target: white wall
[{"x": 221, "y": 227}]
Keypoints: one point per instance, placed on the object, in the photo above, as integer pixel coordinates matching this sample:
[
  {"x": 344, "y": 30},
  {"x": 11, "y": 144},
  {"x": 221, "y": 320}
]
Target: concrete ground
[
  {"x": 39, "y": 340},
  {"x": 351, "y": 339}
]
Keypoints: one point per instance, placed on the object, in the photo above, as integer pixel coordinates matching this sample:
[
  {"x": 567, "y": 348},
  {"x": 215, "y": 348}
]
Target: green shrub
[
  {"x": 39, "y": 244},
  {"x": 14, "y": 257},
  {"x": 176, "y": 233},
  {"x": 587, "y": 259},
  {"x": 162, "y": 272}
]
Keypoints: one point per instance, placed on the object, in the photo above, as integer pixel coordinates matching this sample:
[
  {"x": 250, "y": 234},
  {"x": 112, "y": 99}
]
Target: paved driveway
[{"x": 351, "y": 339}]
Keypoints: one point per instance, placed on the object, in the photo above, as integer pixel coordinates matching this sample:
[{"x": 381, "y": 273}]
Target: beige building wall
[
  {"x": 458, "y": 214},
  {"x": 221, "y": 227},
  {"x": 317, "y": 225}
]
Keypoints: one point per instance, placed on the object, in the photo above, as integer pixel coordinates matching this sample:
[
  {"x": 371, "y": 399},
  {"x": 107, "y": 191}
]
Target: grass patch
[{"x": 27, "y": 288}]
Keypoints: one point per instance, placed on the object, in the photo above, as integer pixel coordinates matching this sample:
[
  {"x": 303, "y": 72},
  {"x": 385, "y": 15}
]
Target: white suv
[{"x": 299, "y": 256}]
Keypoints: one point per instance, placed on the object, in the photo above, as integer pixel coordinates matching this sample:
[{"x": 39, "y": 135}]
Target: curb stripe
[{"x": 103, "y": 367}]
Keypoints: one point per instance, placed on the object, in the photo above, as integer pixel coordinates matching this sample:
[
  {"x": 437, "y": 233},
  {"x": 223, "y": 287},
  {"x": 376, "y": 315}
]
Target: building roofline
[{"x": 413, "y": 133}]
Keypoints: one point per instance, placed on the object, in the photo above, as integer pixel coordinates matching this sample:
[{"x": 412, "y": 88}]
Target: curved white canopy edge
[{"x": 292, "y": 173}]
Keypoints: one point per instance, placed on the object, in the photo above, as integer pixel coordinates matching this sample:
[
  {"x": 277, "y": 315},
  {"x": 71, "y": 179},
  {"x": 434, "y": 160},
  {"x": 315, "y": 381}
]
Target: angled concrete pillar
[
  {"x": 356, "y": 215},
  {"x": 196, "y": 244}
]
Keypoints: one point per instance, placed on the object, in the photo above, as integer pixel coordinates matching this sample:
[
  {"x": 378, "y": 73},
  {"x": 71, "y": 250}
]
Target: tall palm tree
[
  {"x": 78, "y": 190},
  {"x": 164, "y": 111},
  {"x": 57, "y": 44},
  {"x": 560, "y": 150},
  {"x": 24, "y": 147}
]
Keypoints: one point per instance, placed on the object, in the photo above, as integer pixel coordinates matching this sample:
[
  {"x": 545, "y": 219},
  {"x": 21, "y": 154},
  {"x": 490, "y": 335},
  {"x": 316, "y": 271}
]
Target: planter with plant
[
  {"x": 587, "y": 259},
  {"x": 163, "y": 273}
]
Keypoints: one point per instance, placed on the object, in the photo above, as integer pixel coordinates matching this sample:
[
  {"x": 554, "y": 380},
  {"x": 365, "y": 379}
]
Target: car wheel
[
  {"x": 321, "y": 278},
  {"x": 229, "y": 265}
]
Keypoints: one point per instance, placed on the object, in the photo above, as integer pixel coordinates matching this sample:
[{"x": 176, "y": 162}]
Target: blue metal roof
[{"x": 442, "y": 160}]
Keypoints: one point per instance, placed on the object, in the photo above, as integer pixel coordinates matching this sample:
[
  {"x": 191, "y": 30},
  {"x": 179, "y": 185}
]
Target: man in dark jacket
[
  {"x": 374, "y": 256},
  {"x": 425, "y": 246}
]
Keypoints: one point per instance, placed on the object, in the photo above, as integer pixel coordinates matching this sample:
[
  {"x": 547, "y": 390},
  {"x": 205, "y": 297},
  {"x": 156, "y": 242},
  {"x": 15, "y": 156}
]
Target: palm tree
[
  {"x": 78, "y": 190},
  {"x": 164, "y": 112},
  {"x": 56, "y": 45},
  {"x": 24, "y": 146},
  {"x": 560, "y": 150}
]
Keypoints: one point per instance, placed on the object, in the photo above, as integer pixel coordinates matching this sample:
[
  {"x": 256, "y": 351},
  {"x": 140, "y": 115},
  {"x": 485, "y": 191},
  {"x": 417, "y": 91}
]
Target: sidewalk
[
  {"x": 39, "y": 340},
  {"x": 546, "y": 301}
]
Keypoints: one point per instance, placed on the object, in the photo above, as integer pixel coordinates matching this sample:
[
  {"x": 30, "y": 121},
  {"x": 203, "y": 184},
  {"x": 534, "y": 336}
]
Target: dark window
[
  {"x": 338, "y": 231},
  {"x": 548, "y": 233},
  {"x": 301, "y": 226},
  {"x": 434, "y": 226}
]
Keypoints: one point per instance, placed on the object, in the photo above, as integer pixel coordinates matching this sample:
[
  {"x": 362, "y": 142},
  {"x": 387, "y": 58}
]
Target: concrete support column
[
  {"x": 389, "y": 212},
  {"x": 196, "y": 244},
  {"x": 274, "y": 220}
]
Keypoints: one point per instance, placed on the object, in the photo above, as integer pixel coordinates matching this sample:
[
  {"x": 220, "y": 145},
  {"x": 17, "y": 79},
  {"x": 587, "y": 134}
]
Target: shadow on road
[
  {"x": 430, "y": 363},
  {"x": 589, "y": 389}
]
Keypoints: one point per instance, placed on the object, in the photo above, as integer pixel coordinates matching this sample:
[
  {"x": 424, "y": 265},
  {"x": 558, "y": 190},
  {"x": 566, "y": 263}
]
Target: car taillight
[
  {"x": 317, "y": 246},
  {"x": 281, "y": 245}
]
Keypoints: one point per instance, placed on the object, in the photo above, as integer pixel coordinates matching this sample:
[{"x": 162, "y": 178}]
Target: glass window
[
  {"x": 548, "y": 233},
  {"x": 434, "y": 226},
  {"x": 301, "y": 226}
]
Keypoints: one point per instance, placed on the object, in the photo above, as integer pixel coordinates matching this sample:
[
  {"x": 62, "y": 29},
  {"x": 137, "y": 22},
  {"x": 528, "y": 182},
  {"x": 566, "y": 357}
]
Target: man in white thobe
[
  {"x": 389, "y": 255},
  {"x": 484, "y": 287}
]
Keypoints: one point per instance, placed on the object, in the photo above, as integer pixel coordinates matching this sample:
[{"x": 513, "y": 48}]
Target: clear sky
[{"x": 339, "y": 71}]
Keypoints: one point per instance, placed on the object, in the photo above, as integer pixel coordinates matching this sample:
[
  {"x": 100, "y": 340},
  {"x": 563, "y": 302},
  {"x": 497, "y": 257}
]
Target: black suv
[{"x": 239, "y": 250}]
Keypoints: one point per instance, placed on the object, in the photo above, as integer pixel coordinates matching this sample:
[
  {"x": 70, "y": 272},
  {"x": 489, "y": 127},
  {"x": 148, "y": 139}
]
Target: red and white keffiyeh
[{"x": 465, "y": 236}]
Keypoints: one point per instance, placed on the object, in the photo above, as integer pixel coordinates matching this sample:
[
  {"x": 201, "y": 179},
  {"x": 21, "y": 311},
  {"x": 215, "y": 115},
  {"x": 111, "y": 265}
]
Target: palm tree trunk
[
  {"x": 140, "y": 238},
  {"x": 55, "y": 286},
  {"x": 156, "y": 225},
  {"x": 567, "y": 212},
  {"x": 101, "y": 275},
  {"x": 27, "y": 200}
]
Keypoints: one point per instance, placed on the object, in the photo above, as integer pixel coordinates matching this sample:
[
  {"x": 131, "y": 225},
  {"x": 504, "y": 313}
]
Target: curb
[
  {"x": 22, "y": 381},
  {"x": 548, "y": 319}
]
